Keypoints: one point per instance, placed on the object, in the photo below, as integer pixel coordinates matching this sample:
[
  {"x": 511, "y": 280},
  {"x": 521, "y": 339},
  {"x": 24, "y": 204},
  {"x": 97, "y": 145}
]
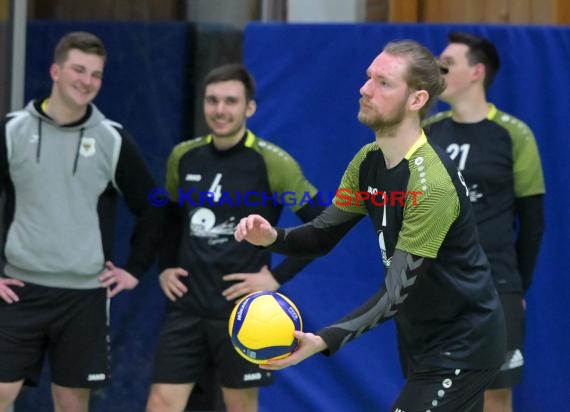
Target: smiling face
[
  {"x": 77, "y": 79},
  {"x": 226, "y": 108},
  {"x": 385, "y": 94}
]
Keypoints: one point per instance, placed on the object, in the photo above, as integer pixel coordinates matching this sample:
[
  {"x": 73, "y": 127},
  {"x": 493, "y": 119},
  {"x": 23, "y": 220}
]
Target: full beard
[{"x": 384, "y": 124}]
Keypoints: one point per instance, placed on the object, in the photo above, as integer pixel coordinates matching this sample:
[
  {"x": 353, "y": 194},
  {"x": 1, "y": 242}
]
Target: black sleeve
[
  {"x": 400, "y": 278},
  {"x": 311, "y": 210},
  {"x": 3, "y": 154},
  {"x": 290, "y": 266},
  {"x": 318, "y": 237},
  {"x": 134, "y": 181},
  {"x": 107, "y": 211},
  {"x": 530, "y": 214},
  {"x": 6, "y": 191}
]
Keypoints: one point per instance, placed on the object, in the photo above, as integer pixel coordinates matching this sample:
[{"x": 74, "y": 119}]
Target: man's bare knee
[
  {"x": 168, "y": 397},
  {"x": 8, "y": 394},
  {"x": 241, "y": 400},
  {"x": 70, "y": 399}
]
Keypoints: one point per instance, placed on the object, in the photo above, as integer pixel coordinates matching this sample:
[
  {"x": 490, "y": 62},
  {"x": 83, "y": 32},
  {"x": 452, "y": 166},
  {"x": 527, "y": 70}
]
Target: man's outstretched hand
[{"x": 256, "y": 230}]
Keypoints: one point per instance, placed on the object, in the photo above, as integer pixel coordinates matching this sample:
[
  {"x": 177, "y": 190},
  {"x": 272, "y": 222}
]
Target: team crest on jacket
[{"x": 87, "y": 147}]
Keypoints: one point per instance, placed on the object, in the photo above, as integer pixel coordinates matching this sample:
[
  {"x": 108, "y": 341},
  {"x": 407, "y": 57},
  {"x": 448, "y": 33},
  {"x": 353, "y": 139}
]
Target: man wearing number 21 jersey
[{"x": 497, "y": 155}]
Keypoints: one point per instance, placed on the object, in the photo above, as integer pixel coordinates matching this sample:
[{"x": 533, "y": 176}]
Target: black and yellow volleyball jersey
[
  {"x": 215, "y": 189},
  {"x": 451, "y": 317},
  {"x": 499, "y": 160}
]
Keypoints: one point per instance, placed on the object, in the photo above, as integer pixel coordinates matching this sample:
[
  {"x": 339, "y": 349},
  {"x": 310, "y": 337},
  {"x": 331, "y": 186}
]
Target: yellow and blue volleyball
[{"x": 262, "y": 326}]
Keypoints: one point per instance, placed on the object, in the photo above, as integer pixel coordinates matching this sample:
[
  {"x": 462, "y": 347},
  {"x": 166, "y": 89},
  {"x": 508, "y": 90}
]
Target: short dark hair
[
  {"x": 80, "y": 40},
  {"x": 232, "y": 71},
  {"x": 481, "y": 50}
]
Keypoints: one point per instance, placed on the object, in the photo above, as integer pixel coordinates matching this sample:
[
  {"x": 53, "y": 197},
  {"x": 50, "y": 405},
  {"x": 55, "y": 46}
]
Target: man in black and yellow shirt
[
  {"x": 438, "y": 285},
  {"x": 213, "y": 182},
  {"x": 498, "y": 156}
]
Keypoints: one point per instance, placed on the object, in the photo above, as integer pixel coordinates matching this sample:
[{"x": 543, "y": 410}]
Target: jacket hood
[{"x": 92, "y": 117}]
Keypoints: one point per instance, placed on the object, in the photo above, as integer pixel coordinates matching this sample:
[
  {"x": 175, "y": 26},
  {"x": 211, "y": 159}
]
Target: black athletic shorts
[
  {"x": 444, "y": 390},
  {"x": 69, "y": 326},
  {"x": 189, "y": 343},
  {"x": 511, "y": 371}
]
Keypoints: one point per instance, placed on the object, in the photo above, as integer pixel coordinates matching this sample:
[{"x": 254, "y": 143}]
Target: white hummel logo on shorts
[
  {"x": 251, "y": 377},
  {"x": 514, "y": 360},
  {"x": 92, "y": 377}
]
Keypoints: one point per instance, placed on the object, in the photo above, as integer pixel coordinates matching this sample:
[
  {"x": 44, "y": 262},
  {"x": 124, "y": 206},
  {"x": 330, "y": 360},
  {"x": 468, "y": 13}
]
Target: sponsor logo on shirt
[{"x": 193, "y": 177}]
